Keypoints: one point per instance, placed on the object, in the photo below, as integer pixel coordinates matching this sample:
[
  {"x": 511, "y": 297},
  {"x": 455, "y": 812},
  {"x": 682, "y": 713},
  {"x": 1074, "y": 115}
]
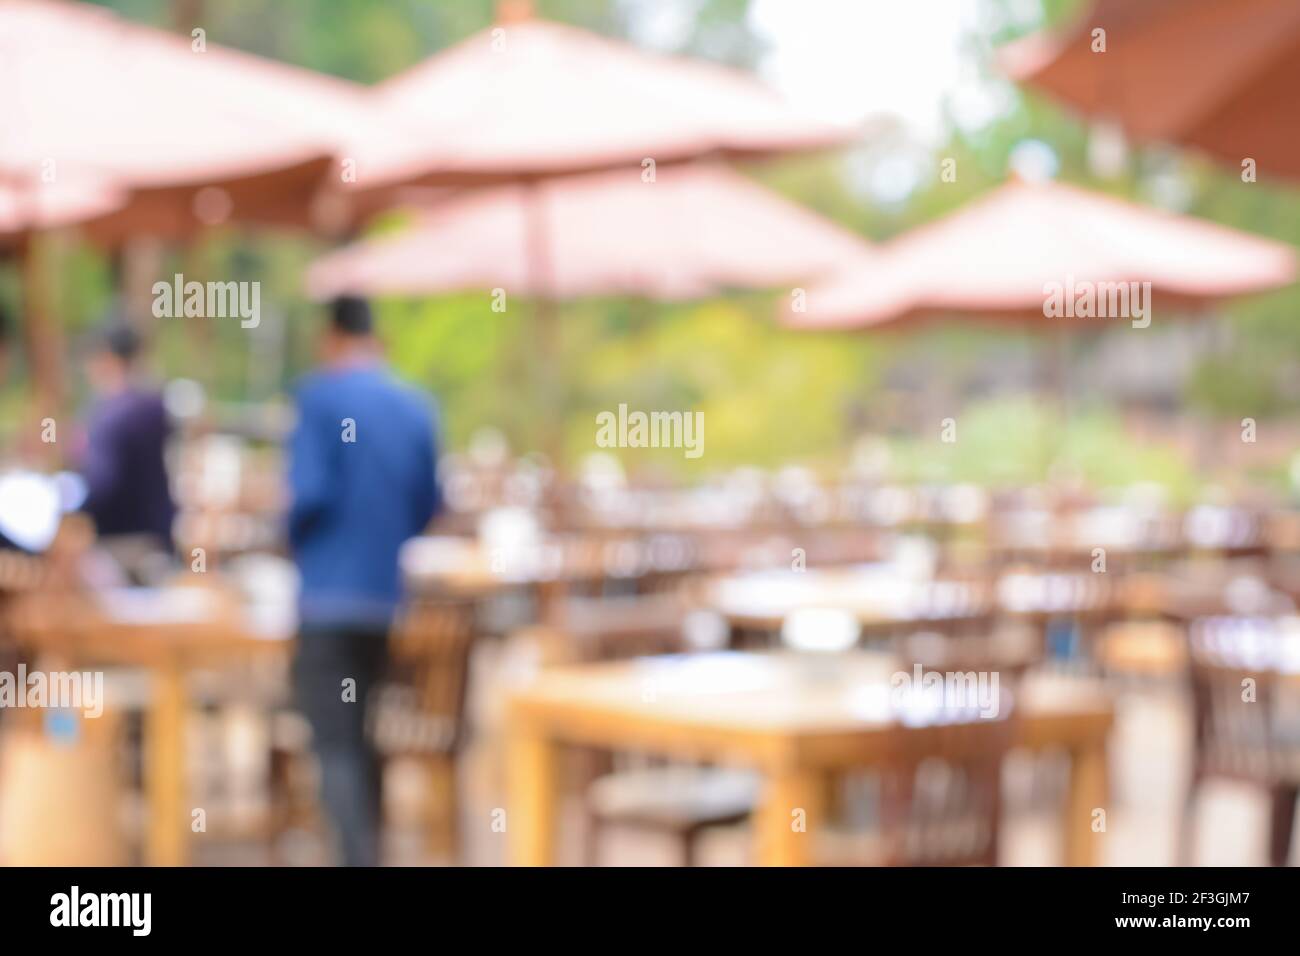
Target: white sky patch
[
  {"x": 662, "y": 25},
  {"x": 847, "y": 60},
  {"x": 907, "y": 70}
]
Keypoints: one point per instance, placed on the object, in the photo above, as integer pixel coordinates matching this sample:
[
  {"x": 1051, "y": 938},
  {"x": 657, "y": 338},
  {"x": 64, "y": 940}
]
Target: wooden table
[
  {"x": 466, "y": 570},
  {"x": 170, "y": 632},
  {"x": 1187, "y": 594},
  {"x": 795, "y": 718},
  {"x": 1046, "y": 538},
  {"x": 875, "y": 596}
]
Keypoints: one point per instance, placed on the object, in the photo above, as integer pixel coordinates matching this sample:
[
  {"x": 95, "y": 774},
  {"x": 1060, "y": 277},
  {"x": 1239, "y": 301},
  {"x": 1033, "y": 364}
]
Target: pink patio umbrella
[
  {"x": 1005, "y": 255},
  {"x": 193, "y": 132},
  {"x": 1019, "y": 254},
  {"x": 1219, "y": 75},
  {"x": 132, "y": 130},
  {"x": 528, "y": 98},
  {"x": 698, "y": 230}
]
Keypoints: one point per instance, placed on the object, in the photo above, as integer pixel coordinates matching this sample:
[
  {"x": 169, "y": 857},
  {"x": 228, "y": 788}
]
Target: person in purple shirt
[
  {"x": 5, "y": 543},
  {"x": 4, "y": 343},
  {"x": 362, "y": 474},
  {"x": 127, "y": 490}
]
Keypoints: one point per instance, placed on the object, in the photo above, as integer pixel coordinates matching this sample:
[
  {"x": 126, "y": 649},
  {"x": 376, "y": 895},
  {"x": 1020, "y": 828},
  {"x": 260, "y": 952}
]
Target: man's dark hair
[
  {"x": 120, "y": 340},
  {"x": 350, "y": 315}
]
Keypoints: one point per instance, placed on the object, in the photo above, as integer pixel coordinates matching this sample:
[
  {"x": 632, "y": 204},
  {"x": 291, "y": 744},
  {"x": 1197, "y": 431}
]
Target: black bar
[{"x": 476, "y": 906}]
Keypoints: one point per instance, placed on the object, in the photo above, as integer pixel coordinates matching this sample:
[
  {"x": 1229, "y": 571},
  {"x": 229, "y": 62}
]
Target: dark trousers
[{"x": 335, "y": 670}]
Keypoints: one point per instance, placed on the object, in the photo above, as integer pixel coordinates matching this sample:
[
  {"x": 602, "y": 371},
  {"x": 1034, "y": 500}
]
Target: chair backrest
[
  {"x": 1237, "y": 700},
  {"x": 979, "y": 653},
  {"x": 20, "y": 573},
  {"x": 20, "y": 576},
  {"x": 956, "y": 606},
  {"x": 941, "y": 792},
  {"x": 421, "y": 705},
  {"x": 613, "y": 629}
]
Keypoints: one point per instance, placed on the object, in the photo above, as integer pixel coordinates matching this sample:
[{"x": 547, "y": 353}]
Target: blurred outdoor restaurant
[{"x": 865, "y": 434}]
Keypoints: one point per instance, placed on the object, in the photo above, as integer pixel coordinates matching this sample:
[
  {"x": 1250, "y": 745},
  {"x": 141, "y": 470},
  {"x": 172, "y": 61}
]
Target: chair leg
[
  {"x": 690, "y": 846},
  {"x": 591, "y": 839},
  {"x": 277, "y": 784},
  {"x": 281, "y": 799},
  {"x": 442, "y": 820},
  {"x": 1281, "y": 821},
  {"x": 587, "y": 766},
  {"x": 1186, "y": 853},
  {"x": 992, "y": 853}
]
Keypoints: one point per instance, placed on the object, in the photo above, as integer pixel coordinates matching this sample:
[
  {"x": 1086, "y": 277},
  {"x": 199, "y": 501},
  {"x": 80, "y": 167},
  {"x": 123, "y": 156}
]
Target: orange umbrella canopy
[
  {"x": 529, "y": 98},
  {"x": 1026, "y": 248},
  {"x": 161, "y": 117},
  {"x": 1220, "y": 75},
  {"x": 698, "y": 229}
]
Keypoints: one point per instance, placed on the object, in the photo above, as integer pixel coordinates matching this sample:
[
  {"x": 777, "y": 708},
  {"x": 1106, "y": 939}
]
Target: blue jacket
[{"x": 363, "y": 477}]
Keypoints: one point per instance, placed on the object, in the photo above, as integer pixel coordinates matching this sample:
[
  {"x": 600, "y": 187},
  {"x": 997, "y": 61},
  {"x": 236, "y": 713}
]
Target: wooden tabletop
[
  {"x": 874, "y": 595},
  {"x": 172, "y": 626},
  {"x": 467, "y": 569},
  {"x": 734, "y": 694}
]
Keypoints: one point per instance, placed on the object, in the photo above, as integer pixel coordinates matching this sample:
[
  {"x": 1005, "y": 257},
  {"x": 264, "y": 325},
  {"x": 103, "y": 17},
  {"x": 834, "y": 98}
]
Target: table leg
[
  {"x": 532, "y": 798},
  {"x": 788, "y": 817},
  {"x": 443, "y": 810},
  {"x": 551, "y": 599},
  {"x": 168, "y": 827},
  {"x": 1087, "y": 794}
]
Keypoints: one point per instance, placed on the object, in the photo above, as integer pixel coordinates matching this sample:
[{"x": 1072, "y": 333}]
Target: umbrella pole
[
  {"x": 1059, "y": 386},
  {"x": 43, "y": 335},
  {"x": 40, "y": 326},
  {"x": 547, "y": 324},
  {"x": 201, "y": 337},
  {"x": 1063, "y": 373}
]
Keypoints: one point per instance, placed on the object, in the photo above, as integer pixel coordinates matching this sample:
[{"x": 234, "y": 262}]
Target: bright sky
[
  {"x": 920, "y": 63},
  {"x": 849, "y": 60}
]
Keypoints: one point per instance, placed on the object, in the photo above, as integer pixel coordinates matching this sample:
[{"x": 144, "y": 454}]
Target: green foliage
[
  {"x": 1007, "y": 442},
  {"x": 768, "y": 395}
]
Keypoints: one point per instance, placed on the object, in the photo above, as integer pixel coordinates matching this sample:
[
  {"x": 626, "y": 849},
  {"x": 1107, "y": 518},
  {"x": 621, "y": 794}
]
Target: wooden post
[
  {"x": 546, "y": 325},
  {"x": 44, "y": 338},
  {"x": 168, "y": 829},
  {"x": 788, "y": 818},
  {"x": 1087, "y": 793},
  {"x": 532, "y": 799}
]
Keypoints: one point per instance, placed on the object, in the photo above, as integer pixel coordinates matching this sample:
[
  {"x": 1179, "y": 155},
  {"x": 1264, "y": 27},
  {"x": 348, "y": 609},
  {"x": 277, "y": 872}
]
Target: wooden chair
[
  {"x": 419, "y": 710},
  {"x": 20, "y": 576},
  {"x": 621, "y": 628},
  {"x": 942, "y": 794},
  {"x": 1046, "y": 599},
  {"x": 937, "y": 651},
  {"x": 939, "y": 799},
  {"x": 633, "y": 790},
  {"x": 1247, "y": 738},
  {"x": 677, "y": 800},
  {"x": 956, "y": 608}
]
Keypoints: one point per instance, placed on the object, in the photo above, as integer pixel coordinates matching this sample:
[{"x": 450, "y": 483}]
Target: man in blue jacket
[{"x": 363, "y": 480}]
